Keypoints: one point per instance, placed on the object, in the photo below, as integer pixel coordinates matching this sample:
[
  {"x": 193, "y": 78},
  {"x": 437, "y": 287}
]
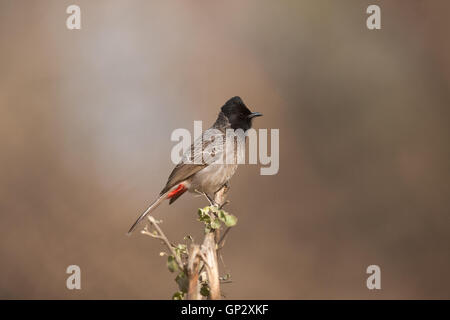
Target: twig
[
  {"x": 224, "y": 204},
  {"x": 222, "y": 239},
  {"x": 163, "y": 237}
]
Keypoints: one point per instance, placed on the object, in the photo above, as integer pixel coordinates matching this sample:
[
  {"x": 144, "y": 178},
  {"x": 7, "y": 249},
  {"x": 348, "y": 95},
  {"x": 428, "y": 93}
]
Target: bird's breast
[{"x": 212, "y": 177}]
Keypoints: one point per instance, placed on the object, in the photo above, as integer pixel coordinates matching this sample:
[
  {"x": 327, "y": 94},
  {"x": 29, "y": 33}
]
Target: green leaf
[
  {"x": 215, "y": 224},
  {"x": 172, "y": 264},
  {"x": 213, "y": 209},
  {"x": 227, "y": 218},
  {"x": 221, "y": 214},
  {"x": 204, "y": 291},
  {"x": 230, "y": 220},
  {"x": 203, "y": 215},
  {"x": 178, "y": 295},
  {"x": 226, "y": 277},
  {"x": 182, "y": 281},
  {"x": 180, "y": 250}
]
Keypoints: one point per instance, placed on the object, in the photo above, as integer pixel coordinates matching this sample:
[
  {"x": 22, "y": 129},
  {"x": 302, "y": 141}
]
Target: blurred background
[{"x": 85, "y": 123}]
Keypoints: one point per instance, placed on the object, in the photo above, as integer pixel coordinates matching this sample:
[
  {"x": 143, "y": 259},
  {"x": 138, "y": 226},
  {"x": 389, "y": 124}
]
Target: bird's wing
[{"x": 209, "y": 145}]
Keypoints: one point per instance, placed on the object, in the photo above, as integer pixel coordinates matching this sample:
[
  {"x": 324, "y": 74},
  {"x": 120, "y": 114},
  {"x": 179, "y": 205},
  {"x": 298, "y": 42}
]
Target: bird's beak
[{"x": 254, "y": 114}]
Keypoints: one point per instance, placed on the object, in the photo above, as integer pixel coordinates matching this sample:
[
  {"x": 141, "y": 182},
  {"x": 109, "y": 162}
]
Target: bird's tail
[{"x": 152, "y": 207}]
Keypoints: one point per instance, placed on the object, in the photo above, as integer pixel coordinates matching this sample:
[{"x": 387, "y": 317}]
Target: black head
[{"x": 238, "y": 115}]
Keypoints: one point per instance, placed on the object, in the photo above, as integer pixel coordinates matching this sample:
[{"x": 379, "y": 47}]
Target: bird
[{"x": 196, "y": 175}]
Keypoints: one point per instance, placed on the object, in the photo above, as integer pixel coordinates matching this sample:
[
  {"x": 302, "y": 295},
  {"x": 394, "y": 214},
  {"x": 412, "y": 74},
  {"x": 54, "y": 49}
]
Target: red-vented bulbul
[{"x": 200, "y": 176}]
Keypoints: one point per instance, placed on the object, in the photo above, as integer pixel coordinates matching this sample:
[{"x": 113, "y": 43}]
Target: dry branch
[
  {"x": 160, "y": 235},
  {"x": 199, "y": 257}
]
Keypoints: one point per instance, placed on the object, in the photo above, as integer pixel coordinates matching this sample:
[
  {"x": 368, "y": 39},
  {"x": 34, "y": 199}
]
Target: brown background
[{"x": 85, "y": 125}]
